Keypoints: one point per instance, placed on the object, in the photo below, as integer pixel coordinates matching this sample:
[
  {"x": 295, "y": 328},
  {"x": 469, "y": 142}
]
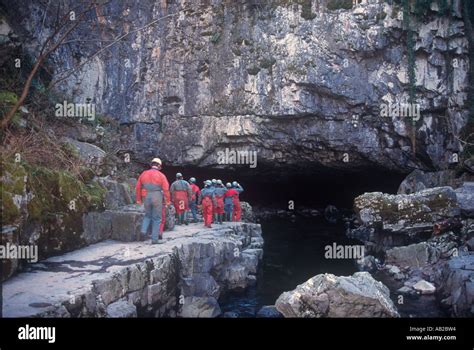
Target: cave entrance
[
  {"x": 275, "y": 187},
  {"x": 294, "y": 247}
]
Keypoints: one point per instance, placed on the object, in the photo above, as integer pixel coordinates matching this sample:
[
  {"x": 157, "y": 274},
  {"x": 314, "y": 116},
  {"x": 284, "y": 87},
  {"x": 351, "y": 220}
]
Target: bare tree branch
[{"x": 43, "y": 55}]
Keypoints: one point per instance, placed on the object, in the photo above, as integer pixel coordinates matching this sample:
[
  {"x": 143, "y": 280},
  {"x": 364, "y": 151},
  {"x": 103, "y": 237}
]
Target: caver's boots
[
  {"x": 221, "y": 217},
  {"x": 158, "y": 241},
  {"x": 184, "y": 219}
]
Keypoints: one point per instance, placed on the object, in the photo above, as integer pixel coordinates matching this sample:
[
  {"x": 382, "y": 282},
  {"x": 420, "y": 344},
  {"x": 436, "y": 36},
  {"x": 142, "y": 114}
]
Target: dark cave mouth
[{"x": 307, "y": 187}]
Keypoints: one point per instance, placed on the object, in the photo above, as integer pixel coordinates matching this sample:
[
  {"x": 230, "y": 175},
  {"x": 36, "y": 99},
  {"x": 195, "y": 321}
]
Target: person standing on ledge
[
  {"x": 237, "y": 209},
  {"x": 181, "y": 194},
  {"x": 219, "y": 192},
  {"x": 153, "y": 188},
  {"x": 208, "y": 201},
  {"x": 194, "y": 198},
  {"x": 229, "y": 201}
]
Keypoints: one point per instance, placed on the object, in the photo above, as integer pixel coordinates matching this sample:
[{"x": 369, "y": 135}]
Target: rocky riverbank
[
  {"x": 421, "y": 245},
  {"x": 182, "y": 278}
]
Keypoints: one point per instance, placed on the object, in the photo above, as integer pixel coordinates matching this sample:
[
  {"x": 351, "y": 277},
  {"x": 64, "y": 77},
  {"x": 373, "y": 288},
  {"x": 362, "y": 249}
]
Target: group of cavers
[{"x": 218, "y": 202}]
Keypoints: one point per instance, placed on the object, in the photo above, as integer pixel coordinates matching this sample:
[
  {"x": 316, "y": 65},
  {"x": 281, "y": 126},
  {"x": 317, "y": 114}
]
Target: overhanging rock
[{"x": 193, "y": 265}]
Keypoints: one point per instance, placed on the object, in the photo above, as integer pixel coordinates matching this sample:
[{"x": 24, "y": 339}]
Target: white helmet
[{"x": 156, "y": 160}]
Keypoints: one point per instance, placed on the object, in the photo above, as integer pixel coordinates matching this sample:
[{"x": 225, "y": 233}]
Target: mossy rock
[
  {"x": 61, "y": 192},
  {"x": 7, "y": 100},
  {"x": 13, "y": 176},
  {"x": 10, "y": 212}
]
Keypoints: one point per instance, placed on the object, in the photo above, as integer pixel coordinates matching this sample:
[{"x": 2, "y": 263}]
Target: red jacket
[
  {"x": 196, "y": 191},
  {"x": 155, "y": 177},
  {"x": 231, "y": 193}
]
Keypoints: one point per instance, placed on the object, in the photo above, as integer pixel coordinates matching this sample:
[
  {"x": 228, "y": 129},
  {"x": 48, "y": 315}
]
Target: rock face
[
  {"x": 440, "y": 266},
  {"x": 419, "y": 180},
  {"x": 122, "y": 220},
  {"x": 327, "y": 295},
  {"x": 465, "y": 196},
  {"x": 245, "y": 75},
  {"x": 397, "y": 220},
  {"x": 457, "y": 285},
  {"x": 121, "y": 309},
  {"x": 413, "y": 255},
  {"x": 407, "y": 213},
  {"x": 247, "y": 212},
  {"x": 182, "y": 277},
  {"x": 91, "y": 155}
]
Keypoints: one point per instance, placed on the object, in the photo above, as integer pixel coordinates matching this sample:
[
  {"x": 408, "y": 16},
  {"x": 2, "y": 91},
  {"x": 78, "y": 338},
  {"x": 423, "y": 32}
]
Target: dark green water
[{"x": 293, "y": 253}]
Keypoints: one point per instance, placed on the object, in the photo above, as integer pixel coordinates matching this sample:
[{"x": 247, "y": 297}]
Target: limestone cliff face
[{"x": 299, "y": 81}]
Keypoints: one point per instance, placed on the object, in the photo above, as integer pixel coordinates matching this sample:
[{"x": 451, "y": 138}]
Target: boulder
[
  {"x": 200, "y": 285},
  {"x": 82, "y": 132},
  {"x": 465, "y": 196},
  {"x": 406, "y": 214},
  {"x": 405, "y": 290},
  {"x": 247, "y": 212},
  {"x": 90, "y": 154},
  {"x": 456, "y": 285},
  {"x": 118, "y": 194},
  {"x": 424, "y": 287},
  {"x": 121, "y": 309},
  {"x": 419, "y": 180},
  {"x": 126, "y": 223},
  {"x": 200, "y": 307},
  {"x": 368, "y": 263},
  {"x": 327, "y": 295},
  {"x": 122, "y": 224},
  {"x": 97, "y": 227},
  {"x": 413, "y": 255}
]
